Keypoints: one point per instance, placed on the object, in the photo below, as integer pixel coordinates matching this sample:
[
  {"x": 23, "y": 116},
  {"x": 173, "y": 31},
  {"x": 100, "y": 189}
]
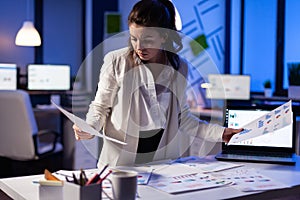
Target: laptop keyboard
[
  {"x": 258, "y": 156},
  {"x": 264, "y": 154}
]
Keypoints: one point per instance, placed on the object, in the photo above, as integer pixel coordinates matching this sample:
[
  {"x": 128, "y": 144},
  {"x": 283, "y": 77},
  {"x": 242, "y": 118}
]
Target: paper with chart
[
  {"x": 205, "y": 164},
  {"x": 209, "y": 167},
  {"x": 276, "y": 119},
  {"x": 187, "y": 182},
  {"x": 178, "y": 178},
  {"x": 86, "y": 127},
  {"x": 144, "y": 172},
  {"x": 248, "y": 180}
]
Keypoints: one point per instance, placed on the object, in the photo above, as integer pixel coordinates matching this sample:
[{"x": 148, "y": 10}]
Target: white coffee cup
[{"x": 124, "y": 184}]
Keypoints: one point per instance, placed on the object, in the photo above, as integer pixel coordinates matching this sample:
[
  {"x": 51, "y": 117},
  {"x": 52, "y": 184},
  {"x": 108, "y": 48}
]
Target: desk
[{"x": 23, "y": 188}]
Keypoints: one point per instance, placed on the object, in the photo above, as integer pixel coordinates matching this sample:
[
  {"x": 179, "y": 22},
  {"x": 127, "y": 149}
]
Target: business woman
[{"x": 141, "y": 96}]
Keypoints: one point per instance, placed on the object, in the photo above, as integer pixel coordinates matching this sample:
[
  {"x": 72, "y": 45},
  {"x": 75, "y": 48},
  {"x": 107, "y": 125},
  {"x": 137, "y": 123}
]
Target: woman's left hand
[{"x": 229, "y": 132}]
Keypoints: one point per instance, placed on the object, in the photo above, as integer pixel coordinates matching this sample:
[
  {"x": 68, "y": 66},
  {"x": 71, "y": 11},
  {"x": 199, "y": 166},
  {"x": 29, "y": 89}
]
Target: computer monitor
[
  {"x": 48, "y": 77},
  {"x": 228, "y": 86},
  {"x": 8, "y": 76}
]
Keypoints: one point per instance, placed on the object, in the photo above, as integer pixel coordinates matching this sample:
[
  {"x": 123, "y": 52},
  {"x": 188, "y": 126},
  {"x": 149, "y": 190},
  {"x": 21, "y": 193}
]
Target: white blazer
[{"x": 121, "y": 110}]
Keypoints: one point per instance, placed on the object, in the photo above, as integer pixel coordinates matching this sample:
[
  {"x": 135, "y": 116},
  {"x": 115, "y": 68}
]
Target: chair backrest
[{"x": 17, "y": 125}]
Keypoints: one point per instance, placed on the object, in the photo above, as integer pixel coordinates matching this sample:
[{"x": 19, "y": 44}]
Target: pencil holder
[
  {"x": 47, "y": 192},
  {"x": 77, "y": 192}
]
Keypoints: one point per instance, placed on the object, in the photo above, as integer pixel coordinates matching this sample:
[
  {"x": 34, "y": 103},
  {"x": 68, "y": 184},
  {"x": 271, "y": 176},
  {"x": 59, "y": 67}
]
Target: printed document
[{"x": 86, "y": 127}]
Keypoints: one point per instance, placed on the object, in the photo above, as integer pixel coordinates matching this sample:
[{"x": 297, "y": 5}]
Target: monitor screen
[
  {"x": 8, "y": 76},
  {"x": 228, "y": 86},
  {"x": 48, "y": 77},
  {"x": 279, "y": 138}
]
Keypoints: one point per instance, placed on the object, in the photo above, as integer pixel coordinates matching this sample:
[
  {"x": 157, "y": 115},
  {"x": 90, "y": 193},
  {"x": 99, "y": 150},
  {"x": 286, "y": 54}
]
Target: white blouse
[
  {"x": 128, "y": 101},
  {"x": 153, "y": 104}
]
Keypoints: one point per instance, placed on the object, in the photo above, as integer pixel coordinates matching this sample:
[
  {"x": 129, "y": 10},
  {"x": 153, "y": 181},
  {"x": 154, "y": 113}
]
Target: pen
[
  {"x": 96, "y": 177},
  {"x": 81, "y": 179},
  {"x": 84, "y": 175},
  {"x": 149, "y": 176},
  {"x": 102, "y": 179},
  {"x": 68, "y": 180},
  {"x": 183, "y": 160},
  {"x": 104, "y": 168},
  {"x": 92, "y": 180},
  {"x": 75, "y": 179}
]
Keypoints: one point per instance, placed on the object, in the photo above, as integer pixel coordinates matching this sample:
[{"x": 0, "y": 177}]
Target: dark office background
[
  {"x": 61, "y": 24},
  {"x": 260, "y": 36}
]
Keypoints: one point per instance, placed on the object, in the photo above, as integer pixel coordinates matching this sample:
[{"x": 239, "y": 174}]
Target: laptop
[{"x": 275, "y": 147}]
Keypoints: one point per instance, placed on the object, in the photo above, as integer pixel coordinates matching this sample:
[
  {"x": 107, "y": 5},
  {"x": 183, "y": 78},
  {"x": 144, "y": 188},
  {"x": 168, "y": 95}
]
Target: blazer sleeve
[
  {"x": 101, "y": 106},
  {"x": 189, "y": 123}
]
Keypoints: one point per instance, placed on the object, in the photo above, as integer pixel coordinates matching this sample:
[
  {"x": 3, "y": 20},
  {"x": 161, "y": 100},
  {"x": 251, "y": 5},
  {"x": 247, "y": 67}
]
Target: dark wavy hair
[{"x": 159, "y": 14}]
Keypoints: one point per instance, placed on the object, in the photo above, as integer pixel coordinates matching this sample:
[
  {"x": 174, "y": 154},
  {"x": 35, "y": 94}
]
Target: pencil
[
  {"x": 92, "y": 180},
  {"x": 102, "y": 179},
  {"x": 104, "y": 168}
]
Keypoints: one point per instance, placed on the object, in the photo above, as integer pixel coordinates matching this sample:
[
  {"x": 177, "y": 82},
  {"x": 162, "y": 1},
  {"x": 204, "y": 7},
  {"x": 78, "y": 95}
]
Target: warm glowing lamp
[{"x": 28, "y": 35}]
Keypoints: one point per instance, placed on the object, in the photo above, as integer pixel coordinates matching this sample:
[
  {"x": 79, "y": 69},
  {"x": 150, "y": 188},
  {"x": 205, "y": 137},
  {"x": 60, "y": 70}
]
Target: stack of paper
[{"x": 178, "y": 178}]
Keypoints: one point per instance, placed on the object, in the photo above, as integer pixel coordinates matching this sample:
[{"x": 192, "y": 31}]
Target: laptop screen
[{"x": 237, "y": 118}]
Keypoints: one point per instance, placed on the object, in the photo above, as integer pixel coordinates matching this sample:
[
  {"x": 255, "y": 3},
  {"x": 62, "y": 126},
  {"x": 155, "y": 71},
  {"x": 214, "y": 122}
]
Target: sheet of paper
[
  {"x": 176, "y": 169},
  {"x": 248, "y": 180},
  {"x": 187, "y": 182},
  {"x": 144, "y": 173},
  {"x": 278, "y": 118},
  {"x": 86, "y": 127},
  {"x": 208, "y": 167},
  {"x": 178, "y": 177},
  {"x": 205, "y": 164}
]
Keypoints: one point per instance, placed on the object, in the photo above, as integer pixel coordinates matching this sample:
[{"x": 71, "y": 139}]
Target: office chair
[{"x": 25, "y": 150}]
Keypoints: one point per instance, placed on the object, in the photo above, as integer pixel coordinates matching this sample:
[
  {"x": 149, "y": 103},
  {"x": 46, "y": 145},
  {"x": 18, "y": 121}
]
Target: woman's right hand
[{"x": 81, "y": 135}]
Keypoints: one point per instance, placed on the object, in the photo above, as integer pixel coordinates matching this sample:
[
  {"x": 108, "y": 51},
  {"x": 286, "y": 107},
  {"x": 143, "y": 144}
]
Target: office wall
[
  {"x": 235, "y": 37},
  {"x": 124, "y": 8},
  {"x": 260, "y": 42},
  {"x": 61, "y": 39},
  {"x": 199, "y": 18},
  {"x": 13, "y": 14},
  {"x": 62, "y": 33},
  {"x": 291, "y": 36},
  {"x": 265, "y": 53}
]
